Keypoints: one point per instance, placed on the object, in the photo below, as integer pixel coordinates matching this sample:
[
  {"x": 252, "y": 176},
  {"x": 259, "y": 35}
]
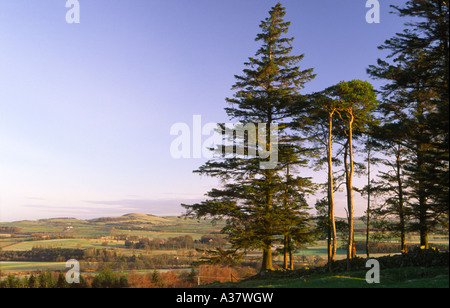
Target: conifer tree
[
  {"x": 392, "y": 214},
  {"x": 416, "y": 98},
  {"x": 252, "y": 197},
  {"x": 370, "y": 146}
]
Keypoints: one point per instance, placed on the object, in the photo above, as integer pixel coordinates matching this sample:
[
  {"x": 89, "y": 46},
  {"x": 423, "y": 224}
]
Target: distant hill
[
  {"x": 140, "y": 223},
  {"x": 130, "y": 221},
  {"x": 135, "y": 218}
]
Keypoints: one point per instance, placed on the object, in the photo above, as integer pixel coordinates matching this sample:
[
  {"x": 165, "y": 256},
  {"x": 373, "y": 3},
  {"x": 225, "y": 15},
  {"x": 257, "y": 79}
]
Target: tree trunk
[
  {"x": 423, "y": 224},
  {"x": 267, "y": 249},
  {"x": 291, "y": 259},
  {"x": 267, "y": 258},
  {"x": 401, "y": 209},
  {"x": 332, "y": 237},
  {"x": 423, "y": 221},
  {"x": 288, "y": 253},
  {"x": 368, "y": 202},
  {"x": 285, "y": 252},
  {"x": 350, "y": 250}
]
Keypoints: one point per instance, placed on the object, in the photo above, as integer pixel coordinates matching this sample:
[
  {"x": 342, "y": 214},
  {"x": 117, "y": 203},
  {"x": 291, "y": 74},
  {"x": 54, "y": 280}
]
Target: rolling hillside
[{"x": 103, "y": 226}]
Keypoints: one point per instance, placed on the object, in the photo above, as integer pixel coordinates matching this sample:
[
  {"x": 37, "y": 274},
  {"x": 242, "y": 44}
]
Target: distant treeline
[
  {"x": 106, "y": 278},
  {"x": 43, "y": 255},
  {"x": 93, "y": 259},
  {"x": 180, "y": 242},
  {"x": 10, "y": 230}
]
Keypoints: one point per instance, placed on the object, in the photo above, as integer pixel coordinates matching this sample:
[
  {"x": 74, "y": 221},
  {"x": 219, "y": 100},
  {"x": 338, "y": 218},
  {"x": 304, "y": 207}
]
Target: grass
[
  {"x": 410, "y": 277},
  {"x": 64, "y": 243},
  {"x": 7, "y": 267}
]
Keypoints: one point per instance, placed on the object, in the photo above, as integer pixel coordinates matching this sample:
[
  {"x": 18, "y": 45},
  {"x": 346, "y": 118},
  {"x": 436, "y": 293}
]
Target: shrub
[{"x": 108, "y": 279}]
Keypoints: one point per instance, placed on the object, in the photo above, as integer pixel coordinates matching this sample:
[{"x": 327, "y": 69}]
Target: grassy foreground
[
  {"x": 419, "y": 268},
  {"x": 409, "y": 277}
]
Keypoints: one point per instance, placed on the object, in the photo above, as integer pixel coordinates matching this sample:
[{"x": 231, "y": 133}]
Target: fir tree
[
  {"x": 416, "y": 98},
  {"x": 251, "y": 197},
  {"x": 392, "y": 214}
]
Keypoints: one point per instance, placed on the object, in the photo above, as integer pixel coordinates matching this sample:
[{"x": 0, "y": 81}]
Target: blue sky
[{"x": 86, "y": 109}]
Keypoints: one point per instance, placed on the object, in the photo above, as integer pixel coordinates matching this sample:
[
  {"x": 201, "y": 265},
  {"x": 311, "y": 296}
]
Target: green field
[
  {"x": 410, "y": 277},
  {"x": 8, "y": 267},
  {"x": 63, "y": 243}
]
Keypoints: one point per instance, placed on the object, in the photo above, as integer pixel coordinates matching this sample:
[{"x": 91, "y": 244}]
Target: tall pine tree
[
  {"x": 416, "y": 98},
  {"x": 357, "y": 101},
  {"x": 392, "y": 214},
  {"x": 253, "y": 200}
]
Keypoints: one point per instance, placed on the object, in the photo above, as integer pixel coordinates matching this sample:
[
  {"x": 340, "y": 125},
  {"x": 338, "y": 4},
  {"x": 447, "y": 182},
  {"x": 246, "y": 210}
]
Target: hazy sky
[{"x": 86, "y": 109}]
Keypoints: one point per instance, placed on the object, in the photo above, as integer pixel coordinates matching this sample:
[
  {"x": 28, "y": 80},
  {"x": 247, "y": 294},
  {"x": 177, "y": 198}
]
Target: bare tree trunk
[
  {"x": 350, "y": 250},
  {"x": 369, "y": 193},
  {"x": 332, "y": 237},
  {"x": 423, "y": 216},
  {"x": 401, "y": 209},
  {"x": 267, "y": 249},
  {"x": 291, "y": 259},
  {"x": 285, "y": 252}
]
